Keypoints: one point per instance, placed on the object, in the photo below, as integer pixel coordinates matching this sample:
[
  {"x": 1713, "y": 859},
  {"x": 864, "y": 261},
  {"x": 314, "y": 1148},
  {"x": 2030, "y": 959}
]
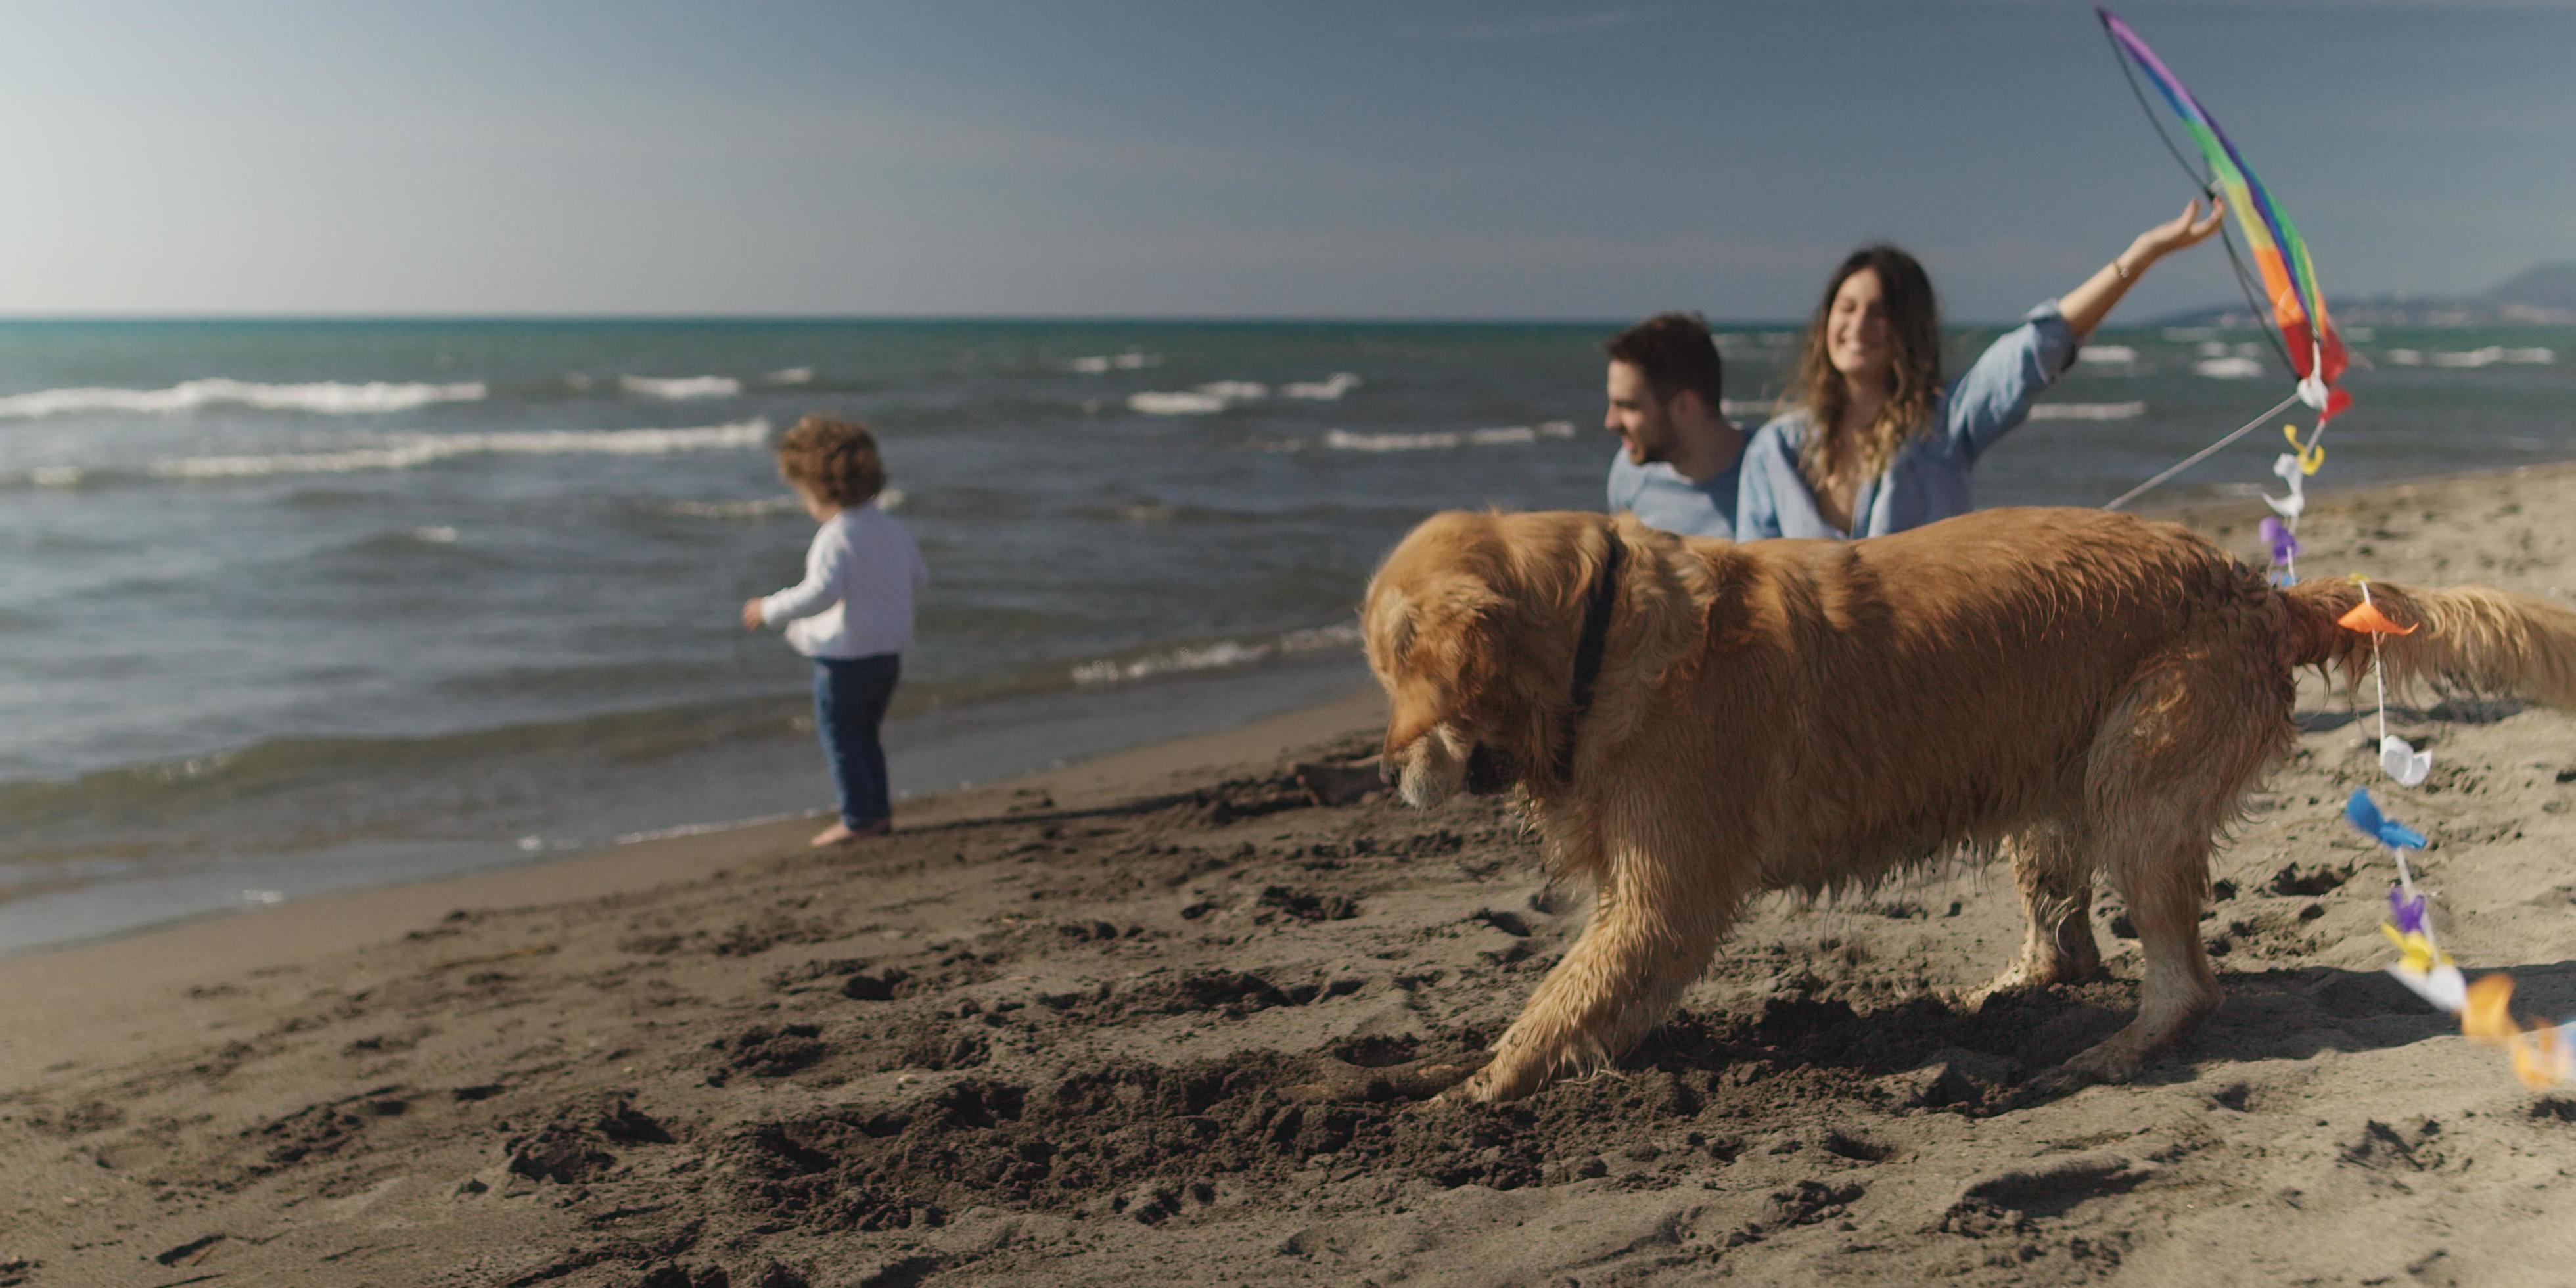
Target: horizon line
[{"x": 8, "y": 318}]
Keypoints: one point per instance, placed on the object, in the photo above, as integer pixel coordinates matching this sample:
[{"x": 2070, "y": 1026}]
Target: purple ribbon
[
  {"x": 2408, "y": 914},
  {"x": 2284, "y": 543}
]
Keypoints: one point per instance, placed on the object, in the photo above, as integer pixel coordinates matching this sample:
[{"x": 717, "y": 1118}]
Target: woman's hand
[
  {"x": 2086, "y": 305},
  {"x": 2182, "y": 232},
  {"x": 751, "y": 615}
]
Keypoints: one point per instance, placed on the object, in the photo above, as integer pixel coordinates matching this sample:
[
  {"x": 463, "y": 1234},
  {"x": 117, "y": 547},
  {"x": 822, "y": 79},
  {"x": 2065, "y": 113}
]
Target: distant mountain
[
  {"x": 2549, "y": 287},
  {"x": 2545, "y": 294}
]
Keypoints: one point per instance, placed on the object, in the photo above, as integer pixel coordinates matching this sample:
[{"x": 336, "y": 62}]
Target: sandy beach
[{"x": 1053, "y": 1032}]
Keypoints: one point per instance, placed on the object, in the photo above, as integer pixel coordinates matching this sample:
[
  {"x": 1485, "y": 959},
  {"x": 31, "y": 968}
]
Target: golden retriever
[{"x": 1693, "y": 722}]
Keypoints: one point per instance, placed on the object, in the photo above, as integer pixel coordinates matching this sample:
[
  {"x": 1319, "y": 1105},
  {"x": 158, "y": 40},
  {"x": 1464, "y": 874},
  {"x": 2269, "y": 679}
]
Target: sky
[{"x": 1315, "y": 159}]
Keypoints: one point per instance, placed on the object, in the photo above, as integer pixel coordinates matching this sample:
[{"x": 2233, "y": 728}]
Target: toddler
[{"x": 853, "y": 612}]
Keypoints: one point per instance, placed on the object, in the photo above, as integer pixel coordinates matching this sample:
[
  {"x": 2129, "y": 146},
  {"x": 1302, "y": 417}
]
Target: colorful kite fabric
[{"x": 2280, "y": 256}]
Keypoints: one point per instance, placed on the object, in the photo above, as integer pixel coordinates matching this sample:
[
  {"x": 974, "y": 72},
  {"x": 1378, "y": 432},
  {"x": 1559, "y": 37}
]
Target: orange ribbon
[{"x": 2366, "y": 618}]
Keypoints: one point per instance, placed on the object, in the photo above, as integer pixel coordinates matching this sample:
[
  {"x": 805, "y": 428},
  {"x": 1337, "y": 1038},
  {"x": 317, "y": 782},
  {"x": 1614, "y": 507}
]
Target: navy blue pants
[{"x": 850, "y": 697}]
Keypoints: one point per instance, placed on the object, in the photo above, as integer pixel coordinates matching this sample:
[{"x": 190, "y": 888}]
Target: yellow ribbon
[{"x": 2312, "y": 456}]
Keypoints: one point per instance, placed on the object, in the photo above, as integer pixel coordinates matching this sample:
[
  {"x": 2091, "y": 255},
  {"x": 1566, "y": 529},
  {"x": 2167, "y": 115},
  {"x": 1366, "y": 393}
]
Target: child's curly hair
[{"x": 837, "y": 459}]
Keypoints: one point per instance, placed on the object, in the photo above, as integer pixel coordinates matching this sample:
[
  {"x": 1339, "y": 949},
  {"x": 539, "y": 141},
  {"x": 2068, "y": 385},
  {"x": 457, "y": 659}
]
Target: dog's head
[{"x": 1472, "y": 627}]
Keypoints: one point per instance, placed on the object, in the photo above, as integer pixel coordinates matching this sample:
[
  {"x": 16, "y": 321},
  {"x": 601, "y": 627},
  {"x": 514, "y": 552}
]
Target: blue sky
[{"x": 1594, "y": 160}]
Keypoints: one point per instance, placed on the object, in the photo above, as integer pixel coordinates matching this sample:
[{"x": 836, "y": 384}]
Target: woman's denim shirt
[{"x": 1928, "y": 481}]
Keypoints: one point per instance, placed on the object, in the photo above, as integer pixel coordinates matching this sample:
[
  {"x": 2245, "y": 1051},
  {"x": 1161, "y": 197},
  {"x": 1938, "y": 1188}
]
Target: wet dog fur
[{"x": 2078, "y": 691}]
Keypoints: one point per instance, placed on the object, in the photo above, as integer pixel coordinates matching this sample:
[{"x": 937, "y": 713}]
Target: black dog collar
[{"x": 1587, "y": 650}]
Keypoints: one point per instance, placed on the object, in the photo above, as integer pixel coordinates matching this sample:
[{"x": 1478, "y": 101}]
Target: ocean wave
[
  {"x": 328, "y": 398},
  {"x": 1217, "y": 395},
  {"x": 1184, "y": 403},
  {"x": 1343, "y": 440},
  {"x": 415, "y": 450},
  {"x": 791, "y": 376},
  {"x": 2490, "y": 356},
  {"x": 1218, "y": 655},
  {"x": 2088, "y": 411},
  {"x": 2229, "y": 368},
  {"x": 1101, "y": 363},
  {"x": 767, "y": 507},
  {"x": 2107, "y": 355},
  {"x": 678, "y": 388},
  {"x": 1328, "y": 389}
]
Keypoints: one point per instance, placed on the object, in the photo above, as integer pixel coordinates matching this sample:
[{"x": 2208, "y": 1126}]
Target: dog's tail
[{"x": 2472, "y": 639}]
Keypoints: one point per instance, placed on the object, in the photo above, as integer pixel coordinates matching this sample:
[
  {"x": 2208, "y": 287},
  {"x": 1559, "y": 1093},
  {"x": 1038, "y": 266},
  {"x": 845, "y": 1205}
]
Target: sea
[{"x": 297, "y": 606}]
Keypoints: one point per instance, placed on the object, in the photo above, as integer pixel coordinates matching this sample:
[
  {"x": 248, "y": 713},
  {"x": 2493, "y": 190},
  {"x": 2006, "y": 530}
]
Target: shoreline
[{"x": 500, "y": 800}]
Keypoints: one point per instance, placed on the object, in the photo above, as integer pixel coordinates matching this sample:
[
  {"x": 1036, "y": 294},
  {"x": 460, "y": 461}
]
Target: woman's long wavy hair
[{"x": 1913, "y": 382}]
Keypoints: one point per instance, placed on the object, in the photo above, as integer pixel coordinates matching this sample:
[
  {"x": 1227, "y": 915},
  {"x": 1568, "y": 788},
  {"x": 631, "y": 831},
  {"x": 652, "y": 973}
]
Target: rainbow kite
[{"x": 2308, "y": 337}]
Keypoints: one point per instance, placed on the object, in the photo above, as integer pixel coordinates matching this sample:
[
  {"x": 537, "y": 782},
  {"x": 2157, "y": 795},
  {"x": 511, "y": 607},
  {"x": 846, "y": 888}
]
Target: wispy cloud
[{"x": 1532, "y": 28}]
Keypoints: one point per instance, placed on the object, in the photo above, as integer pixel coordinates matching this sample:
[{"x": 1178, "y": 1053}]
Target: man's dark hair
[{"x": 1674, "y": 352}]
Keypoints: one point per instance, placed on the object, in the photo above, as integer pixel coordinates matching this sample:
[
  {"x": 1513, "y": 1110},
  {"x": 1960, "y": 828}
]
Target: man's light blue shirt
[
  {"x": 1928, "y": 481},
  {"x": 1668, "y": 502}
]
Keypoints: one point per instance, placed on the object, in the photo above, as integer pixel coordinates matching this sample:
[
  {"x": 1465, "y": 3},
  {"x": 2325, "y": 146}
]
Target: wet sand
[{"x": 1054, "y": 1031}]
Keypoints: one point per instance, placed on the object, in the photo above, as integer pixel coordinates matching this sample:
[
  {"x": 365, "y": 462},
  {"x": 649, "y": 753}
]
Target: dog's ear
[
  {"x": 1434, "y": 647},
  {"x": 1459, "y": 624}
]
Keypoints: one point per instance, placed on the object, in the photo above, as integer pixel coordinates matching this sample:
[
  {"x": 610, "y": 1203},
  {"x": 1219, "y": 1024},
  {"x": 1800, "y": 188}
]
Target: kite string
[
  {"x": 2378, "y": 677},
  {"x": 2203, "y": 454}
]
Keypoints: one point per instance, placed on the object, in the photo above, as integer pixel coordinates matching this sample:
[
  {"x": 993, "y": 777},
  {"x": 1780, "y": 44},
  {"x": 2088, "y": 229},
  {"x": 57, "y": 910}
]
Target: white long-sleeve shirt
[{"x": 861, "y": 575}]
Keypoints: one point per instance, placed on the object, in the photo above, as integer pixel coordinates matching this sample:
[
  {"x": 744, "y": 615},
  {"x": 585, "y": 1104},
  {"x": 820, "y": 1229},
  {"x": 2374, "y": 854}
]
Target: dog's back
[{"x": 1953, "y": 681}]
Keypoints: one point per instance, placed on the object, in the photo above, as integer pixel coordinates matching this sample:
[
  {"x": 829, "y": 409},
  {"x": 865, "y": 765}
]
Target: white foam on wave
[
  {"x": 1183, "y": 403},
  {"x": 2089, "y": 411},
  {"x": 791, "y": 376},
  {"x": 2107, "y": 355},
  {"x": 2494, "y": 354},
  {"x": 436, "y": 536},
  {"x": 328, "y": 398},
  {"x": 412, "y": 451},
  {"x": 2230, "y": 368},
  {"x": 767, "y": 507},
  {"x": 679, "y": 388},
  {"x": 1343, "y": 440},
  {"x": 1102, "y": 363},
  {"x": 2405, "y": 357},
  {"x": 1328, "y": 389},
  {"x": 1216, "y": 656},
  {"x": 1217, "y": 395}
]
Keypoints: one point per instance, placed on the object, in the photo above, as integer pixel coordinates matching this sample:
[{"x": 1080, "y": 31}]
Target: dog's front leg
[{"x": 1649, "y": 938}]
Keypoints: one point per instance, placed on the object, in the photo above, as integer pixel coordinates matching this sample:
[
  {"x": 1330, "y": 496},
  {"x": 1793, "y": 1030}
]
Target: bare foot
[{"x": 836, "y": 834}]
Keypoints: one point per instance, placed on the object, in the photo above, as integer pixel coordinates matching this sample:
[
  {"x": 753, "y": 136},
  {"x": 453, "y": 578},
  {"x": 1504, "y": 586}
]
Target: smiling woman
[{"x": 1875, "y": 444}]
